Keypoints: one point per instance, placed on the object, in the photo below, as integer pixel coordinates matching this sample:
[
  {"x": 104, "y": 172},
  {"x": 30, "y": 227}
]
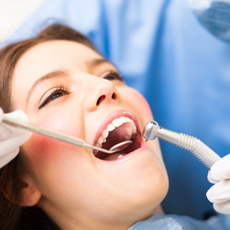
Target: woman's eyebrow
[
  {"x": 98, "y": 61},
  {"x": 48, "y": 76}
]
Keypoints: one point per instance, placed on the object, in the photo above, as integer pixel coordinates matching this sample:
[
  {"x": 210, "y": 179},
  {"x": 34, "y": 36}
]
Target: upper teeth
[{"x": 114, "y": 124}]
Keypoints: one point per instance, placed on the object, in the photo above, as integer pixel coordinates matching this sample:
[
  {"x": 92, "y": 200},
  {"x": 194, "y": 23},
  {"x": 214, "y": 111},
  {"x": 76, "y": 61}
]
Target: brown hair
[{"x": 12, "y": 215}]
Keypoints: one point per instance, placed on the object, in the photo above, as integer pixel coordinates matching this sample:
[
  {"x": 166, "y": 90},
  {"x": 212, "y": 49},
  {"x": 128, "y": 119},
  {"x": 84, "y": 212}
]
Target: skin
[{"x": 76, "y": 189}]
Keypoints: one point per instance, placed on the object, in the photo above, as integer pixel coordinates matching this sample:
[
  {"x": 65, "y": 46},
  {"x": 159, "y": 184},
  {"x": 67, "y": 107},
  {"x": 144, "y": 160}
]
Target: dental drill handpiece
[{"x": 201, "y": 151}]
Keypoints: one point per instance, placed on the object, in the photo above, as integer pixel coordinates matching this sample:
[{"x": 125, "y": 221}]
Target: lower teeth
[{"x": 120, "y": 156}]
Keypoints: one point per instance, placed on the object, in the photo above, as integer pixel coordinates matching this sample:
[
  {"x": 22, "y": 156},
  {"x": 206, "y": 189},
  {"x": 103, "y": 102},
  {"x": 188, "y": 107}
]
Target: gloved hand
[
  {"x": 11, "y": 137},
  {"x": 219, "y": 193}
]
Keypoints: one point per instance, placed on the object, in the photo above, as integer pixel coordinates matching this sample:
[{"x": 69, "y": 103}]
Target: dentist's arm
[
  {"x": 219, "y": 193},
  {"x": 11, "y": 138}
]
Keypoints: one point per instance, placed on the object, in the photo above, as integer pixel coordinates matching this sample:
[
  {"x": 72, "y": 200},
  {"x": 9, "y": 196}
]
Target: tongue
[{"x": 113, "y": 156}]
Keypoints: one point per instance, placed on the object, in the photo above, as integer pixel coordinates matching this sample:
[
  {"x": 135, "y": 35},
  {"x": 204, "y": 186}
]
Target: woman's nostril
[
  {"x": 101, "y": 98},
  {"x": 114, "y": 96}
]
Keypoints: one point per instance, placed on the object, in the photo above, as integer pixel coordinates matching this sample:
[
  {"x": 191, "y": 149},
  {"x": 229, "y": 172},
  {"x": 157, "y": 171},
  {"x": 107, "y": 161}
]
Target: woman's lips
[{"x": 118, "y": 126}]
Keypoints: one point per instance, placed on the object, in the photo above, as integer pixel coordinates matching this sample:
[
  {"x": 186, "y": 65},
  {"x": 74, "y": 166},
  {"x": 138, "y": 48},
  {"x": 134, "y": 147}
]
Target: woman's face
[{"x": 67, "y": 87}]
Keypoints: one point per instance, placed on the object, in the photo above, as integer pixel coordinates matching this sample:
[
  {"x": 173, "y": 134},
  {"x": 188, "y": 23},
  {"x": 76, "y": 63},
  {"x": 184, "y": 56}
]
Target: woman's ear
[{"x": 30, "y": 194}]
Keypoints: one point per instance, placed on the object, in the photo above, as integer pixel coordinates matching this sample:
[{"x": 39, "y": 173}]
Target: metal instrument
[
  {"x": 201, "y": 151},
  {"x": 64, "y": 137}
]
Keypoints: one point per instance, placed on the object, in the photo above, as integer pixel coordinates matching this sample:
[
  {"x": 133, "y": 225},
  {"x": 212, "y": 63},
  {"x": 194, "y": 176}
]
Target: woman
[{"x": 62, "y": 83}]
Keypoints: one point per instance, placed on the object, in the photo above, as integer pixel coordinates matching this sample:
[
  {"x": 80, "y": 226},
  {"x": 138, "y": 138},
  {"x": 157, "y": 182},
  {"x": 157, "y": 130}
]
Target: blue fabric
[
  {"x": 173, "y": 222},
  {"x": 216, "y": 18},
  {"x": 182, "y": 70}
]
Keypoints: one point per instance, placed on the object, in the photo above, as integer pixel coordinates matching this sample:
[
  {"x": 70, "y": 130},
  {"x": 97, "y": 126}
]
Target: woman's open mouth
[{"x": 119, "y": 130}]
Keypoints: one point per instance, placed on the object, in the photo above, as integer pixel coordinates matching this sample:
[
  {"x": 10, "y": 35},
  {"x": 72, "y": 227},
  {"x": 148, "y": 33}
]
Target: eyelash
[
  {"x": 61, "y": 89},
  {"x": 114, "y": 76}
]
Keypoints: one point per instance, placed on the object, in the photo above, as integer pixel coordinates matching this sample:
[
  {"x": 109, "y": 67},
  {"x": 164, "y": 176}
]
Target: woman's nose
[{"x": 99, "y": 91}]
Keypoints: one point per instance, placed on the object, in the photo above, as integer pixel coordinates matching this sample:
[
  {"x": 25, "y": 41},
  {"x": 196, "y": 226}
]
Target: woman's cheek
[
  {"x": 42, "y": 150},
  {"x": 138, "y": 103}
]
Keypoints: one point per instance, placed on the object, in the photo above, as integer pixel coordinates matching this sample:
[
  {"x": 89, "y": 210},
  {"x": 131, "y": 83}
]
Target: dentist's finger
[
  {"x": 221, "y": 169},
  {"x": 210, "y": 178},
  {"x": 7, "y": 158},
  {"x": 6, "y": 130},
  {"x": 10, "y": 144},
  {"x": 222, "y": 207},
  {"x": 220, "y": 192}
]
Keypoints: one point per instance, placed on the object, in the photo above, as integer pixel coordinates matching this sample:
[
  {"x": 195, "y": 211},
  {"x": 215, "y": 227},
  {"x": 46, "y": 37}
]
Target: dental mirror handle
[
  {"x": 201, "y": 151},
  {"x": 53, "y": 134}
]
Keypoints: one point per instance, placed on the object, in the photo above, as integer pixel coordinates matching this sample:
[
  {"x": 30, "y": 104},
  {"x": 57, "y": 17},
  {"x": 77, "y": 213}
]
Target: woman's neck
[{"x": 84, "y": 223}]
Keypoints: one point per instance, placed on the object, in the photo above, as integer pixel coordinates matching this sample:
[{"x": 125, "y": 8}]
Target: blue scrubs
[
  {"x": 174, "y": 222},
  {"x": 182, "y": 70}
]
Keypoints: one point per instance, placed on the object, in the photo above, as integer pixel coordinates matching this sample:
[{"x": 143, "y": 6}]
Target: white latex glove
[
  {"x": 219, "y": 193},
  {"x": 11, "y": 137}
]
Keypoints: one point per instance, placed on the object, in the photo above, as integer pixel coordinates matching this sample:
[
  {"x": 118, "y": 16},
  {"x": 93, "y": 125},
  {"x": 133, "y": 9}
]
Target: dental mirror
[{"x": 120, "y": 146}]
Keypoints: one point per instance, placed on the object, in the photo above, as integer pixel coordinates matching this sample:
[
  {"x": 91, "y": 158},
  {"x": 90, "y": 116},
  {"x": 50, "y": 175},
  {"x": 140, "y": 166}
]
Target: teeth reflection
[
  {"x": 129, "y": 131},
  {"x": 134, "y": 129},
  {"x": 127, "y": 137}
]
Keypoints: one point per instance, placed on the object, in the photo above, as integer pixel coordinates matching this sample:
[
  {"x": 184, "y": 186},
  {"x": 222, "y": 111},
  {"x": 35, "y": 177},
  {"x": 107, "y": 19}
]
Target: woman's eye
[
  {"x": 114, "y": 76},
  {"x": 54, "y": 95}
]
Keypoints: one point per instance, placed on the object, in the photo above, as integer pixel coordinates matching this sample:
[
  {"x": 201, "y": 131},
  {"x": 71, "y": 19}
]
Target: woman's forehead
[
  {"x": 57, "y": 49},
  {"x": 51, "y": 55}
]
